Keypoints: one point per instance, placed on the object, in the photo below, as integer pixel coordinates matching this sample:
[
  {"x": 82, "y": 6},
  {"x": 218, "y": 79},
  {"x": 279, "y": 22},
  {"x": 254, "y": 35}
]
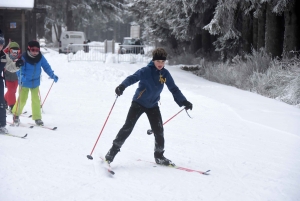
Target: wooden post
[{"x": 23, "y": 30}]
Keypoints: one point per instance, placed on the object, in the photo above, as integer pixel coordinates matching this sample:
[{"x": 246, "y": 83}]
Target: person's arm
[
  {"x": 47, "y": 68},
  {"x": 128, "y": 81},
  {"x": 11, "y": 65},
  {"x": 177, "y": 95},
  {"x": 132, "y": 79},
  {"x": 6, "y": 49}
]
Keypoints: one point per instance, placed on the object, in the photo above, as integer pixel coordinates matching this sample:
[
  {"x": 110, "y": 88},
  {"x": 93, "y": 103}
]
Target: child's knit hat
[
  {"x": 33, "y": 44},
  {"x": 14, "y": 45}
]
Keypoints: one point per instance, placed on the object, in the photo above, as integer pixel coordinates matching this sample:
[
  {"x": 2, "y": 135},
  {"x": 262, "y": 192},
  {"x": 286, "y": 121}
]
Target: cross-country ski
[
  {"x": 178, "y": 167},
  {"x": 14, "y": 135}
]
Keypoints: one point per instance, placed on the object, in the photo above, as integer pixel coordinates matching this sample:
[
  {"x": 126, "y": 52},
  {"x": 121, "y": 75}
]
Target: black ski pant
[{"x": 154, "y": 117}]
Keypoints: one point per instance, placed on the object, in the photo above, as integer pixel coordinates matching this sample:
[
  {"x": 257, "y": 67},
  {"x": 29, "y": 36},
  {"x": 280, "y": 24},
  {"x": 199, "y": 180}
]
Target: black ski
[{"x": 12, "y": 135}]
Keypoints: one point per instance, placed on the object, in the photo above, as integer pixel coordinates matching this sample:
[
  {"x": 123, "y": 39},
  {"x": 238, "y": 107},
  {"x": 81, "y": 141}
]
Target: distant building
[{"x": 18, "y": 21}]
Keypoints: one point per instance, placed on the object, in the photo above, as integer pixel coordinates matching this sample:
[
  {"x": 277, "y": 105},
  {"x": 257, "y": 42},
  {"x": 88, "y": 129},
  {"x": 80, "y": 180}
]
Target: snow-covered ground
[{"x": 250, "y": 143}]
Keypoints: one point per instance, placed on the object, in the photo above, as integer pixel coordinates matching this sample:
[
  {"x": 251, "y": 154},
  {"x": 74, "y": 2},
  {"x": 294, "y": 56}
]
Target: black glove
[
  {"x": 119, "y": 90},
  {"x": 188, "y": 105},
  {"x": 19, "y": 63}
]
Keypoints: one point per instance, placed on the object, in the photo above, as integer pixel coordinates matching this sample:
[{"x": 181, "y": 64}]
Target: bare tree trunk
[
  {"x": 255, "y": 33},
  {"x": 40, "y": 25},
  {"x": 292, "y": 29},
  {"x": 207, "y": 39},
  {"x": 56, "y": 34},
  {"x": 261, "y": 28},
  {"x": 274, "y": 33},
  {"x": 59, "y": 31},
  {"x": 69, "y": 20},
  {"x": 247, "y": 33},
  {"x": 196, "y": 43}
]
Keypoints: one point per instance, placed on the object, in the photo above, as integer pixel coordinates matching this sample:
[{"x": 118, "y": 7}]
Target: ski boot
[
  {"x": 39, "y": 122},
  {"x": 3, "y": 130},
  {"x": 111, "y": 154},
  {"x": 161, "y": 160},
  {"x": 16, "y": 120}
]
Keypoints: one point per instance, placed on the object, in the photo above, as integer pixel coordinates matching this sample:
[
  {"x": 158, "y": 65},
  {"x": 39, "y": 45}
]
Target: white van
[{"x": 71, "y": 37}]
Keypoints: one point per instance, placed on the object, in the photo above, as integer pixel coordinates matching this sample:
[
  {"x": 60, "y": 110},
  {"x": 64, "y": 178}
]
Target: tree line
[{"x": 199, "y": 27}]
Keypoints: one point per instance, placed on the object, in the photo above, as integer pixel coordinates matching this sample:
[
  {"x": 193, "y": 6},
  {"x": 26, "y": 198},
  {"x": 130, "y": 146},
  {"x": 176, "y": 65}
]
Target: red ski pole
[
  {"x": 149, "y": 131},
  {"x": 47, "y": 95},
  {"x": 90, "y": 156}
]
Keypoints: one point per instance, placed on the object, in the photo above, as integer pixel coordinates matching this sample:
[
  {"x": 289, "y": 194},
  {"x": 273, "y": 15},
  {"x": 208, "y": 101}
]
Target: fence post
[{"x": 105, "y": 46}]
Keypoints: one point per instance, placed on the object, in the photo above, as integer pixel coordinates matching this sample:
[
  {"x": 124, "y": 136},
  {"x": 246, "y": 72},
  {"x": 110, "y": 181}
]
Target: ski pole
[
  {"x": 90, "y": 156},
  {"x": 47, "y": 94},
  {"x": 149, "y": 131}
]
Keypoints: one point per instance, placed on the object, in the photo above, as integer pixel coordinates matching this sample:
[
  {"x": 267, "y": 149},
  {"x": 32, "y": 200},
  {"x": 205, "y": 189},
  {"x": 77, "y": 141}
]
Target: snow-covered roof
[{"x": 24, "y": 4}]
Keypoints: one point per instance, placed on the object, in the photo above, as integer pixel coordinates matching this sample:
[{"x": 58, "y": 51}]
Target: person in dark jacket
[
  {"x": 145, "y": 100},
  {"x": 9, "y": 65},
  {"x": 29, "y": 79},
  {"x": 11, "y": 79}
]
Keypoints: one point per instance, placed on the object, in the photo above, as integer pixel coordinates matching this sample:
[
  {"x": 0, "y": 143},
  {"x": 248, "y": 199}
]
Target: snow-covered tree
[
  {"x": 79, "y": 14},
  {"x": 171, "y": 22},
  {"x": 270, "y": 15}
]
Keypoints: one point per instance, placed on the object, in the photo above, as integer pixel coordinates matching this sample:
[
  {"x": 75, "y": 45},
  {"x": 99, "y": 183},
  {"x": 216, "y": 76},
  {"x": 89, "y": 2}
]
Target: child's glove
[
  {"x": 55, "y": 78},
  {"x": 119, "y": 90},
  {"x": 188, "y": 105},
  {"x": 19, "y": 63}
]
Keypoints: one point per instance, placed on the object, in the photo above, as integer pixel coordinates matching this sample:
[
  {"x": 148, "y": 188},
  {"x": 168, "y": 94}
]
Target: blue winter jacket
[
  {"x": 30, "y": 74},
  {"x": 151, "y": 85}
]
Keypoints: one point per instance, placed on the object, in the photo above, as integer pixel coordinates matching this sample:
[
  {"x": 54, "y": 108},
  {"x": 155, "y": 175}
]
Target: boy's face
[
  {"x": 1, "y": 46},
  {"x": 159, "y": 64},
  {"x": 14, "y": 52},
  {"x": 34, "y": 51}
]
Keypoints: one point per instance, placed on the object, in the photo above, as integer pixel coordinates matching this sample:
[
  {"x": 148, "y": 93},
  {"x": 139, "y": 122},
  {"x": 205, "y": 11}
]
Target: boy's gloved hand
[
  {"x": 19, "y": 63},
  {"x": 188, "y": 105},
  {"x": 119, "y": 90},
  {"x": 55, "y": 78}
]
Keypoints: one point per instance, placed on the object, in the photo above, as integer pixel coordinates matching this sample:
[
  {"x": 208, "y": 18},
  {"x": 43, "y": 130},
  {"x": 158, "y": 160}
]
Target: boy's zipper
[{"x": 33, "y": 74}]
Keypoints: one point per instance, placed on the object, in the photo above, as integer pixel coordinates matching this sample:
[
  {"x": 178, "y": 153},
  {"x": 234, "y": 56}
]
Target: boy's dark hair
[{"x": 159, "y": 54}]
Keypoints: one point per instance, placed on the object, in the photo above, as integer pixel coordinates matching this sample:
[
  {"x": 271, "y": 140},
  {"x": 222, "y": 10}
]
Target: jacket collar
[{"x": 151, "y": 65}]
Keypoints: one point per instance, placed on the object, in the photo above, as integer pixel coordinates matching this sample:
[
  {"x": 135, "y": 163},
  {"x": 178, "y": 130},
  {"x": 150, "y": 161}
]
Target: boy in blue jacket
[
  {"x": 29, "y": 79},
  {"x": 145, "y": 100}
]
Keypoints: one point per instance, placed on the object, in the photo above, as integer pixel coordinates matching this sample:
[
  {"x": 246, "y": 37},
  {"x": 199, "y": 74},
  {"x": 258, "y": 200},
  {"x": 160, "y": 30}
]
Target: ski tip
[
  {"x": 25, "y": 135},
  {"x": 206, "y": 173},
  {"x": 89, "y": 157},
  {"x": 111, "y": 172},
  {"x": 54, "y": 128}
]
